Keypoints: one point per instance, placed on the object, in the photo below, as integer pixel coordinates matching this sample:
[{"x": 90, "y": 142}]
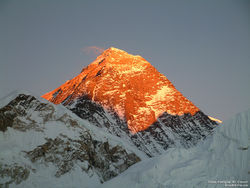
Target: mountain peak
[
  {"x": 112, "y": 51},
  {"x": 116, "y": 54},
  {"x": 128, "y": 85},
  {"x": 115, "y": 49}
]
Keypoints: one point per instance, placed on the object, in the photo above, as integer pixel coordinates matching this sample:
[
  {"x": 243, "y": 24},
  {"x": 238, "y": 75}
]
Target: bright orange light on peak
[
  {"x": 214, "y": 119},
  {"x": 129, "y": 85}
]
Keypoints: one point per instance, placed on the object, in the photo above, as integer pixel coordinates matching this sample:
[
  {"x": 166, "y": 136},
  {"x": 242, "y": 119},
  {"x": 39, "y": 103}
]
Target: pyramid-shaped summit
[{"x": 127, "y": 85}]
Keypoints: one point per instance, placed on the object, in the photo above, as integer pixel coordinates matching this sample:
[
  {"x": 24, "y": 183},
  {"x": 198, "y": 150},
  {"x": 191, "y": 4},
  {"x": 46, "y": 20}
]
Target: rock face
[
  {"x": 14, "y": 173},
  {"x": 167, "y": 131},
  {"x": 95, "y": 156},
  {"x": 36, "y": 135},
  {"x": 11, "y": 114},
  {"x": 126, "y": 96}
]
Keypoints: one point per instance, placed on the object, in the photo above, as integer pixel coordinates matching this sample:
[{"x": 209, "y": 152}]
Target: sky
[{"x": 202, "y": 47}]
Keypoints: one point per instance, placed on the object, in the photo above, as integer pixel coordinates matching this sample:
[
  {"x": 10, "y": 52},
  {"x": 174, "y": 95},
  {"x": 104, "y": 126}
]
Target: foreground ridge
[{"x": 44, "y": 144}]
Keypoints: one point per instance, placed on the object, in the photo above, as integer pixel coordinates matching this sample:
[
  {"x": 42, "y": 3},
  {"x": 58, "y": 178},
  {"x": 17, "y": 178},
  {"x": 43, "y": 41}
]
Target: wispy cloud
[{"x": 93, "y": 50}]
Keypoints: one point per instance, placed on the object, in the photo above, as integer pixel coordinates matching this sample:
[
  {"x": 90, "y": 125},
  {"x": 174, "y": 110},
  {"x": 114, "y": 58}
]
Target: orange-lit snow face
[
  {"x": 129, "y": 85},
  {"x": 214, "y": 119}
]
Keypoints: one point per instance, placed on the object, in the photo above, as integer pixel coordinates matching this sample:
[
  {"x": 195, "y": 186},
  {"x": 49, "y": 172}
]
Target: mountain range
[{"x": 92, "y": 130}]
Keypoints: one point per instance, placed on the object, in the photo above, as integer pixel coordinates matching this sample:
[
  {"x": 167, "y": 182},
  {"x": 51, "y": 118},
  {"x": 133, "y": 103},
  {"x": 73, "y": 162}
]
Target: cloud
[{"x": 93, "y": 50}]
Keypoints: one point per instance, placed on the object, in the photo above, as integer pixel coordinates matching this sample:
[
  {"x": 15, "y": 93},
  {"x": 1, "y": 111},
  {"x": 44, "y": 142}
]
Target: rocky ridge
[{"x": 37, "y": 135}]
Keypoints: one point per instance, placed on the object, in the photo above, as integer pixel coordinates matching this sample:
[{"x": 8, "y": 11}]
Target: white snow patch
[{"x": 161, "y": 95}]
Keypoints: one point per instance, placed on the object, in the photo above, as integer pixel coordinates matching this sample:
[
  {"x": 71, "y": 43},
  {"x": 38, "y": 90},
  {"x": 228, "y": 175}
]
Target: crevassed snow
[{"x": 223, "y": 157}]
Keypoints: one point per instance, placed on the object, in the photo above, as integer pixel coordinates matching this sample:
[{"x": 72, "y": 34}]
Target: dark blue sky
[{"x": 203, "y": 47}]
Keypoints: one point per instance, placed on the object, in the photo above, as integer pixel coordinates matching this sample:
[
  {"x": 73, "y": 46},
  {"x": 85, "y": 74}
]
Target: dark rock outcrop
[{"x": 167, "y": 131}]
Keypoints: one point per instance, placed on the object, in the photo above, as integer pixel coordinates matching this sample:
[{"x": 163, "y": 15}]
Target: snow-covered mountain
[
  {"x": 221, "y": 160},
  {"x": 46, "y": 145},
  {"x": 126, "y": 96},
  {"x": 117, "y": 112}
]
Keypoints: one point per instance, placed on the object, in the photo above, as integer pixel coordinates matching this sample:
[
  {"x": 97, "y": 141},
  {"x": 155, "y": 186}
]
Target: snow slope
[
  {"x": 223, "y": 157},
  {"x": 46, "y": 145}
]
